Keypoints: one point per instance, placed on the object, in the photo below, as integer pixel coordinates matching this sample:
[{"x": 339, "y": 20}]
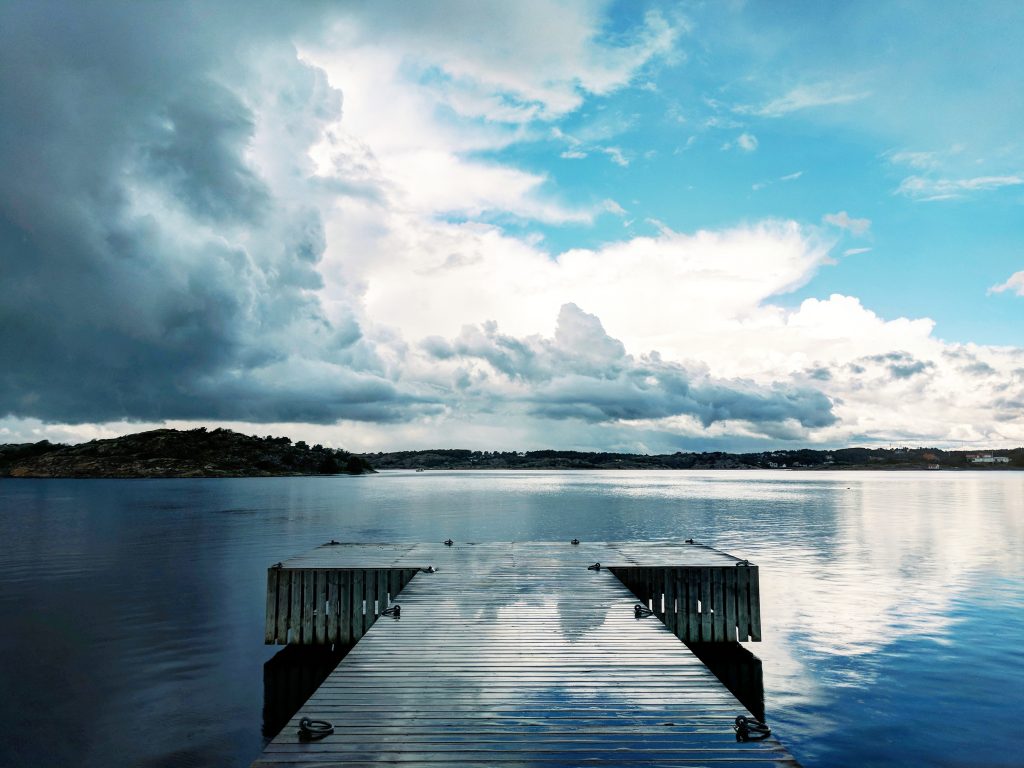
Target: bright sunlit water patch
[{"x": 892, "y": 603}]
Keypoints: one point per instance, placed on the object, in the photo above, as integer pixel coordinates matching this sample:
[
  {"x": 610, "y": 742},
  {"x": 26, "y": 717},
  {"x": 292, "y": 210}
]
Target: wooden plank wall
[
  {"x": 317, "y": 606},
  {"x": 700, "y": 605}
]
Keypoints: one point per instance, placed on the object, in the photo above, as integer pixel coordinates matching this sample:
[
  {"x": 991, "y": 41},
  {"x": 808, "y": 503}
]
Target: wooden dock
[{"x": 517, "y": 654}]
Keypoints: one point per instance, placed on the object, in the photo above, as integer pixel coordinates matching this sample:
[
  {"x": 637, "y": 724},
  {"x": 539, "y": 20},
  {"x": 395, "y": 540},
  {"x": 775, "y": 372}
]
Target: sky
[{"x": 509, "y": 226}]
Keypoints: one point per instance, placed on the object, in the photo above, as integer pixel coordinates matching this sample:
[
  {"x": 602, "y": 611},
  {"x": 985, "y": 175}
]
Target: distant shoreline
[
  {"x": 803, "y": 459},
  {"x": 198, "y": 453}
]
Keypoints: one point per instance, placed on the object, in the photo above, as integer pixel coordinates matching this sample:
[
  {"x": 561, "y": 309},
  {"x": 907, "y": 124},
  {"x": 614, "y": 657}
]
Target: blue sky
[
  {"x": 591, "y": 225},
  {"x": 959, "y": 107}
]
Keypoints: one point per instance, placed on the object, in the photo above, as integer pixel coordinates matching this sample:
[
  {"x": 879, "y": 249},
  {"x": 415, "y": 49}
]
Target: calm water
[{"x": 892, "y": 603}]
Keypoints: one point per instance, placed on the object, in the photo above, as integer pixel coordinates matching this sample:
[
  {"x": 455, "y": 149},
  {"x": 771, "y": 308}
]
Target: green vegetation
[
  {"x": 844, "y": 458},
  {"x": 174, "y": 453}
]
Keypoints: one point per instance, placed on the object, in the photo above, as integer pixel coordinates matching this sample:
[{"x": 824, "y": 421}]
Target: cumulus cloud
[
  {"x": 485, "y": 55},
  {"x": 160, "y": 229},
  {"x": 299, "y": 219},
  {"x": 583, "y": 373}
]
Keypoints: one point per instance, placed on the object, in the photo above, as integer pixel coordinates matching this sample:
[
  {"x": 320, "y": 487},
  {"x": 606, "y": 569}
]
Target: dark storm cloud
[
  {"x": 150, "y": 270},
  {"x": 584, "y": 374}
]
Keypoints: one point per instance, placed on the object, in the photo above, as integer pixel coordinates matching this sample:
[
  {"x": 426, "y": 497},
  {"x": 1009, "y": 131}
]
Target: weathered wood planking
[
  {"x": 510, "y": 657},
  {"x": 702, "y": 594},
  {"x": 700, "y": 605},
  {"x": 310, "y": 606}
]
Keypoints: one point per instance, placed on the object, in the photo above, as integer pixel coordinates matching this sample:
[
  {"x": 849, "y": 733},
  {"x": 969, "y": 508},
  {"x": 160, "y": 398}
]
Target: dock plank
[{"x": 515, "y": 655}]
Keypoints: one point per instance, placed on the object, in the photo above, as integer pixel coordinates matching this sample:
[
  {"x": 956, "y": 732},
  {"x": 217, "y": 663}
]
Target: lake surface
[{"x": 892, "y": 603}]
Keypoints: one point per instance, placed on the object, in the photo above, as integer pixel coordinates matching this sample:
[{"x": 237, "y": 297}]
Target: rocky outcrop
[{"x": 179, "y": 453}]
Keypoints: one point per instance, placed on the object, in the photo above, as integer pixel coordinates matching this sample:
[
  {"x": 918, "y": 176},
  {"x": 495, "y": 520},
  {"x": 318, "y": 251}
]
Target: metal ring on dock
[
  {"x": 642, "y": 611},
  {"x": 594, "y": 567},
  {"x": 311, "y": 730},
  {"x": 575, "y": 541},
  {"x": 751, "y": 729},
  {"x": 448, "y": 542}
]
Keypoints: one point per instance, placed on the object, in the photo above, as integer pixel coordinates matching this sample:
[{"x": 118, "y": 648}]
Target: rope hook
[
  {"x": 642, "y": 611},
  {"x": 311, "y": 730},
  {"x": 594, "y": 567},
  {"x": 394, "y": 610},
  {"x": 448, "y": 542},
  {"x": 751, "y": 729}
]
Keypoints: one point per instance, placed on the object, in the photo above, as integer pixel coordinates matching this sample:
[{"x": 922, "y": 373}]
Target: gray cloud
[
  {"x": 900, "y": 365},
  {"x": 819, "y": 373},
  {"x": 979, "y": 368},
  {"x": 584, "y": 374},
  {"x": 152, "y": 267}
]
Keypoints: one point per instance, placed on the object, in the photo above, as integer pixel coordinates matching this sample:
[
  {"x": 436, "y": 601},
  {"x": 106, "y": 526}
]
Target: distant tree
[
  {"x": 329, "y": 466},
  {"x": 355, "y": 465}
]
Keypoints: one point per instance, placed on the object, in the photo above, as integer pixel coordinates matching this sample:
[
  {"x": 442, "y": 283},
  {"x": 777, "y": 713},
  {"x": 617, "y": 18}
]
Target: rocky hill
[{"x": 176, "y": 453}]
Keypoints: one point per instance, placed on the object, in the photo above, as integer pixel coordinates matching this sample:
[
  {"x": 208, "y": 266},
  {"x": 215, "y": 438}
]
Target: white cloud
[
  {"x": 1014, "y": 283},
  {"x": 758, "y": 186},
  {"x": 613, "y": 207},
  {"x": 926, "y": 188},
  {"x": 616, "y": 155},
  {"x": 687, "y": 297},
  {"x": 855, "y": 251},
  {"x": 806, "y": 97},
  {"x": 745, "y": 141},
  {"x": 413, "y": 251},
  {"x": 485, "y": 52},
  {"x": 843, "y": 220},
  {"x": 919, "y": 160}
]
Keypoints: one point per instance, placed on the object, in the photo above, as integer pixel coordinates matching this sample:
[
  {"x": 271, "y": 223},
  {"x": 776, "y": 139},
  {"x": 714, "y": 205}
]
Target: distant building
[{"x": 987, "y": 458}]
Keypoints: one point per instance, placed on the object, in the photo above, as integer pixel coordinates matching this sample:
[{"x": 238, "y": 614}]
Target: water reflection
[{"x": 142, "y": 602}]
